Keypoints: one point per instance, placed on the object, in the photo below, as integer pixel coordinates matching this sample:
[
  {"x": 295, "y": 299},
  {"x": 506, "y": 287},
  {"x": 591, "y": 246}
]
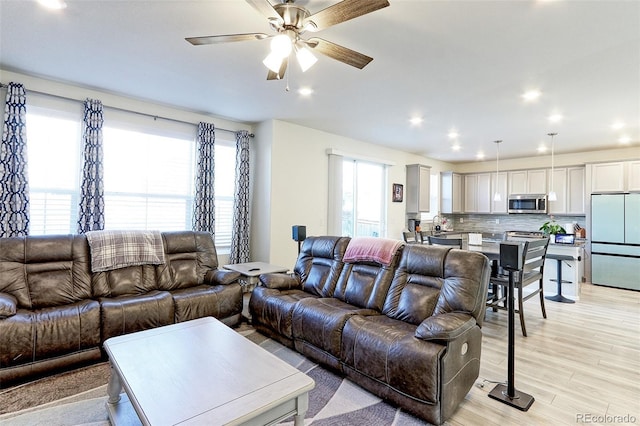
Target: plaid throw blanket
[{"x": 119, "y": 249}]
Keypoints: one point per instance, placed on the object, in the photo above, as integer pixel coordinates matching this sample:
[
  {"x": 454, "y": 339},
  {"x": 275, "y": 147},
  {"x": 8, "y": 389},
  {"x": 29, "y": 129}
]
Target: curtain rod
[{"x": 155, "y": 117}]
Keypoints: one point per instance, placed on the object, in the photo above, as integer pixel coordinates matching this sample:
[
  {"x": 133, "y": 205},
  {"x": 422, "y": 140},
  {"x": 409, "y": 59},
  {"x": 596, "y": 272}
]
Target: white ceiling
[{"x": 460, "y": 65}]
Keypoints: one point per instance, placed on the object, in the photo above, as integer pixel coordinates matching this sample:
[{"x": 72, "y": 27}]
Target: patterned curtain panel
[
  {"x": 91, "y": 214},
  {"x": 204, "y": 203},
  {"x": 240, "y": 234},
  {"x": 14, "y": 186}
]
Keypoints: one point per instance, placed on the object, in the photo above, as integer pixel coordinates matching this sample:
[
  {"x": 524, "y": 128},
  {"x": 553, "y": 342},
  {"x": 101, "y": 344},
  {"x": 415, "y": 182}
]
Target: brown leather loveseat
[
  {"x": 55, "y": 312},
  {"x": 404, "y": 325}
]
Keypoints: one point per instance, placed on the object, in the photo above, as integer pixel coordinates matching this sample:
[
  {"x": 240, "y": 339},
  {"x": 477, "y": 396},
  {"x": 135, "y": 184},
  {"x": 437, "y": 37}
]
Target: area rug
[{"x": 333, "y": 401}]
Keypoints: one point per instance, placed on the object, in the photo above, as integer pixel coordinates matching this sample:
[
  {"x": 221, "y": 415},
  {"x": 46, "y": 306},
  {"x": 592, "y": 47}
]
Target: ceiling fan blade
[
  {"x": 265, "y": 8},
  {"x": 280, "y": 74},
  {"x": 339, "y": 53},
  {"x": 341, "y": 12},
  {"x": 197, "y": 41}
]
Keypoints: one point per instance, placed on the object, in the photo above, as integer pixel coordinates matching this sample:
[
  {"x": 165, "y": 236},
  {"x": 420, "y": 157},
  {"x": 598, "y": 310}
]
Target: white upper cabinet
[
  {"x": 528, "y": 181},
  {"x": 568, "y": 183},
  {"x": 607, "y": 177},
  {"x": 499, "y": 185},
  {"x": 477, "y": 193},
  {"x": 619, "y": 176},
  {"x": 633, "y": 181},
  {"x": 576, "y": 191},
  {"x": 451, "y": 192},
  {"x": 418, "y": 189},
  {"x": 558, "y": 183}
]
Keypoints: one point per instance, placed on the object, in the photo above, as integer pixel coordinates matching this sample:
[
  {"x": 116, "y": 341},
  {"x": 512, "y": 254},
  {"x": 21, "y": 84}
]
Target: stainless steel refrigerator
[{"x": 615, "y": 240}]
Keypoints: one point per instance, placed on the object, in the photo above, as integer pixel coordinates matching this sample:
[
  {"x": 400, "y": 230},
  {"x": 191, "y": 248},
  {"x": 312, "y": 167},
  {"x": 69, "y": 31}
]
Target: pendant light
[
  {"x": 497, "y": 196},
  {"x": 552, "y": 193}
]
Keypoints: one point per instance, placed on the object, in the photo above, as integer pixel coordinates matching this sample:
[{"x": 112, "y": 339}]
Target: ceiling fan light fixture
[
  {"x": 281, "y": 45},
  {"x": 273, "y": 62},
  {"x": 306, "y": 59}
]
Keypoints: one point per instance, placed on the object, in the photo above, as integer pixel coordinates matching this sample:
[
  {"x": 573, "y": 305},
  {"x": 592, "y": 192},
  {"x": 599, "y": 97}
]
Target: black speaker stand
[{"x": 507, "y": 393}]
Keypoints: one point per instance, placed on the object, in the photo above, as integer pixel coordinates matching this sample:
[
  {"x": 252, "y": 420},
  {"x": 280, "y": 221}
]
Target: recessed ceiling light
[
  {"x": 415, "y": 121},
  {"x": 480, "y": 155},
  {"x": 453, "y": 134},
  {"x": 555, "y": 118},
  {"x": 617, "y": 125},
  {"x": 531, "y": 95},
  {"x": 624, "y": 139},
  {"x": 305, "y": 91},
  {"x": 53, "y": 4},
  {"x": 542, "y": 148},
  {"x": 456, "y": 147}
]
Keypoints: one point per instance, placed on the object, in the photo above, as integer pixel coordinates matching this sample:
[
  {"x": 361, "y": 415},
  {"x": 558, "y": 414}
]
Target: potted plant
[{"x": 550, "y": 227}]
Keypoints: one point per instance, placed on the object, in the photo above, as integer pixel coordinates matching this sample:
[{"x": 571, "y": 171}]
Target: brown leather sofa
[
  {"x": 408, "y": 331},
  {"x": 55, "y": 313}
]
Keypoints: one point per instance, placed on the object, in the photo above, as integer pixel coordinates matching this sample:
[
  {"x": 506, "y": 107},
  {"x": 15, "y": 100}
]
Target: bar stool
[{"x": 559, "y": 297}]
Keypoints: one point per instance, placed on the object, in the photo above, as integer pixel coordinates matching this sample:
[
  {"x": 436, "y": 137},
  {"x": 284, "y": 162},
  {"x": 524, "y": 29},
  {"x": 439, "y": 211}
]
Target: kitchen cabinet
[
  {"x": 418, "y": 189},
  {"x": 607, "y": 177},
  {"x": 568, "y": 183},
  {"x": 499, "y": 184},
  {"x": 576, "y": 191},
  {"x": 477, "y": 193},
  {"x": 633, "y": 180},
  {"x": 528, "y": 181},
  {"x": 619, "y": 176},
  {"x": 451, "y": 192}
]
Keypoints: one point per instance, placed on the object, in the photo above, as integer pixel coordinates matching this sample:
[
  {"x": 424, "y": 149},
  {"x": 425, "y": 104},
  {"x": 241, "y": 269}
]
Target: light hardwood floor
[{"x": 580, "y": 364}]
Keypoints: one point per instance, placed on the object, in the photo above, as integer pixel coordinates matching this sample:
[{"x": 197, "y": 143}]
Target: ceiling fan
[{"x": 289, "y": 21}]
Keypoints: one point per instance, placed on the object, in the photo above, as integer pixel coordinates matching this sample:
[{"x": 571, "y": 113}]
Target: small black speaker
[
  {"x": 511, "y": 255},
  {"x": 298, "y": 232}
]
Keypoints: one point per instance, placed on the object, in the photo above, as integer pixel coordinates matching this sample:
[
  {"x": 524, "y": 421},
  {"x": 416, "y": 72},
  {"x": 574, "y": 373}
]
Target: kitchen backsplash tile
[{"x": 513, "y": 222}]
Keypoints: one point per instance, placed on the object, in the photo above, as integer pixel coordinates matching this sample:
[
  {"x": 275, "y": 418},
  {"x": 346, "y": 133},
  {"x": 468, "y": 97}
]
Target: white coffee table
[
  {"x": 252, "y": 270},
  {"x": 201, "y": 372}
]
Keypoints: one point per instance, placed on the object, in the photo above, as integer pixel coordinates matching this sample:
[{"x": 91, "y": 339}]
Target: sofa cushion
[
  {"x": 30, "y": 336},
  {"x": 8, "y": 305},
  {"x": 132, "y": 280},
  {"x": 319, "y": 322},
  {"x": 273, "y": 309},
  {"x": 57, "y": 270},
  {"x": 387, "y": 351},
  {"x": 416, "y": 284},
  {"x": 130, "y": 313},
  {"x": 189, "y": 256},
  {"x": 319, "y": 264},
  {"x": 465, "y": 284},
  {"x": 219, "y": 301}
]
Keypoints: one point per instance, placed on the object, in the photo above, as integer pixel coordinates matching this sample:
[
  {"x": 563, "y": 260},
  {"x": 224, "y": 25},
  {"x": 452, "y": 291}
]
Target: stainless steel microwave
[{"x": 528, "y": 203}]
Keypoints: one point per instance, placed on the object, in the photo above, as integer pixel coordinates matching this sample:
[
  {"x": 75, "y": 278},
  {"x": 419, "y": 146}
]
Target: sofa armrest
[
  {"x": 280, "y": 281},
  {"x": 445, "y": 327},
  {"x": 222, "y": 276},
  {"x": 8, "y": 305}
]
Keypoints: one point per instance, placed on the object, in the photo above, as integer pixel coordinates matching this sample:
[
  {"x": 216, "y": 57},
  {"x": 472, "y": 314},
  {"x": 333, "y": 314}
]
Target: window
[
  {"x": 363, "y": 195},
  {"x": 53, "y": 157},
  {"x": 149, "y": 171},
  {"x": 225, "y": 162}
]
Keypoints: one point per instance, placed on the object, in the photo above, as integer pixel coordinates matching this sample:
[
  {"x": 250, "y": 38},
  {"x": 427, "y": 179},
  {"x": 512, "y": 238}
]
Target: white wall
[{"x": 299, "y": 184}]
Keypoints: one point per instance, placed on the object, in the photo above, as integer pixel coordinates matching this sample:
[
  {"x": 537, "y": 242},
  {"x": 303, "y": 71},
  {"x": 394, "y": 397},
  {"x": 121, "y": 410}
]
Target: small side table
[{"x": 251, "y": 271}]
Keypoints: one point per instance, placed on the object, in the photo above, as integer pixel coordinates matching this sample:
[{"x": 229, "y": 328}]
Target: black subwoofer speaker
[
  {"x": 298, "y": 232},
  {"x": 511, "y": 255}
]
